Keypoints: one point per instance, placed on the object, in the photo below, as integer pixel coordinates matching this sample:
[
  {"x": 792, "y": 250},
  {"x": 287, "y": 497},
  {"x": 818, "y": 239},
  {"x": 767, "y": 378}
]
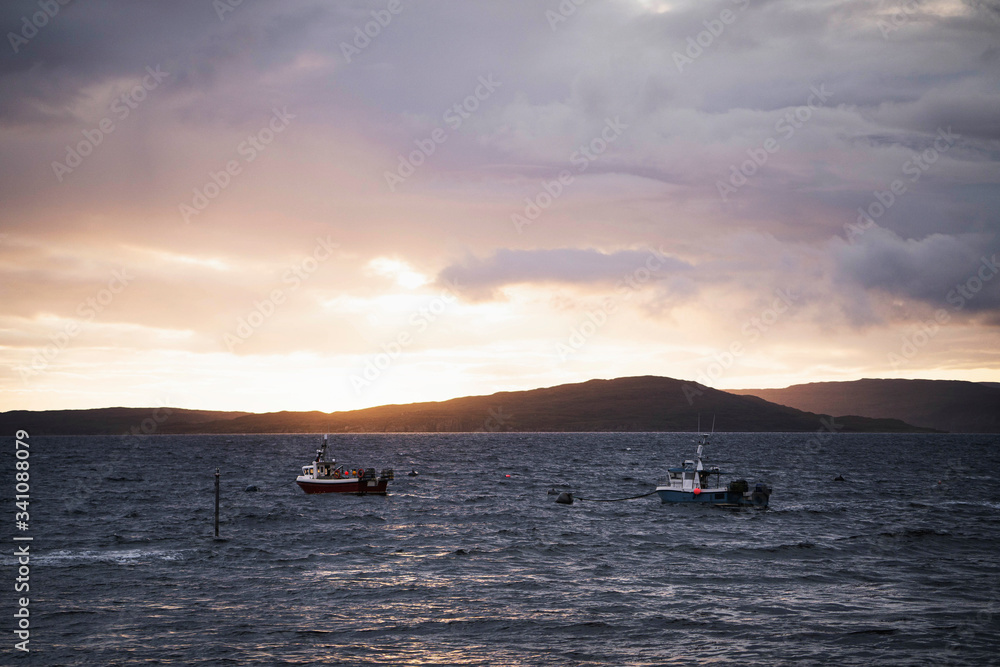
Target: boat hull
[
  {"x": 721, "y": 498},
  {"x": 353, "y": 485}
]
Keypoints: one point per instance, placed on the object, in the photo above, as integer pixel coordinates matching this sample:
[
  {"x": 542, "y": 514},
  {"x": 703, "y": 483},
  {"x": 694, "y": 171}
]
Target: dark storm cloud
[
  {"x": 559, "y": 265},
  {"x": 93, "y": 43},
  {"x": 932, "y": 270}
]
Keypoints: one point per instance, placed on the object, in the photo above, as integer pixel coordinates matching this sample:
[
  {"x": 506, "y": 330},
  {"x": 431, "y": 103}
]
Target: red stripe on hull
[{"x": 353, "y": 486}]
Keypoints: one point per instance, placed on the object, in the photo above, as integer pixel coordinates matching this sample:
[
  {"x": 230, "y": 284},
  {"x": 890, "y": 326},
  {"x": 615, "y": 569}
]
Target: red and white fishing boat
[{"x": 324, "y": 476}]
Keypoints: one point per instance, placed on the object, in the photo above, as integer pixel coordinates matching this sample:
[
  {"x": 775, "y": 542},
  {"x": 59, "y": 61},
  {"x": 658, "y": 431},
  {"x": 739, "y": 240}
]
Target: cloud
[
  {"x": 926, "y": 270},
  {"x": 656, "y": 186},
  {"x": 570, "y": 266}
]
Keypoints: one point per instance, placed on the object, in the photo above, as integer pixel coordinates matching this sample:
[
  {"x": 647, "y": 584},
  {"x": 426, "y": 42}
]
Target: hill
[
  {"x": 626, "y": 404},
  {"x": 108, "y": 421},
  {"x": 944, "y": 405}
]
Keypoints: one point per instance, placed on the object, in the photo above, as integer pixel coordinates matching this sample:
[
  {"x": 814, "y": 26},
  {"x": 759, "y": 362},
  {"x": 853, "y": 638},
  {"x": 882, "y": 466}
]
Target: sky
[{"x": 307, "y": 205}]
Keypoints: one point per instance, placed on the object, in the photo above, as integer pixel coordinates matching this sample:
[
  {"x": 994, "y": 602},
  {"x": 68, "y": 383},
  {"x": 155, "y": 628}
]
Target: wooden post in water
[{"x": 216, "y": 502}]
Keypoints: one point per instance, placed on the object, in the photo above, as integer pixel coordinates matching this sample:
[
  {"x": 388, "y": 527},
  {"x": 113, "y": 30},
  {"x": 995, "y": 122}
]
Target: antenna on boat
[{"x": 704, "y": 438}]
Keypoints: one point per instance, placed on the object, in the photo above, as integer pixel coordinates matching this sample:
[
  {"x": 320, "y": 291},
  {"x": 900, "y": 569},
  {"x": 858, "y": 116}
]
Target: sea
[{"x": 472, "y": 562}]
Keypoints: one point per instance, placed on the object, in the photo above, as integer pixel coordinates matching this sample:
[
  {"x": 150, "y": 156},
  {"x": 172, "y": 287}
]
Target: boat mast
[
  {"x": 322, "y": 457},
  {"x": 704, "y": 441}
]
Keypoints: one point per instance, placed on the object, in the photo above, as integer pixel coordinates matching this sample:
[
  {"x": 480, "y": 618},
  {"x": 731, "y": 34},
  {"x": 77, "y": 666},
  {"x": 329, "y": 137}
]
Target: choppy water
[{"x": 462, "y": 564}]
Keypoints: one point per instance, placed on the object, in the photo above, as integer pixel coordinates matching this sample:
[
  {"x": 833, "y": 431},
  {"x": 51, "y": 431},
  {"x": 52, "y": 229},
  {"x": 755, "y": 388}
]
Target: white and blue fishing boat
[{"x": 694, "y": 483}]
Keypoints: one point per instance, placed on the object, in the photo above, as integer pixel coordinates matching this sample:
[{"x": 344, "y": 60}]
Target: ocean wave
[{"x": 69, "y": 558}]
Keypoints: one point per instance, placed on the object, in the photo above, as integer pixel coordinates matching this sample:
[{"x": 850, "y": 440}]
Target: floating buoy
[
  {"x": 565, "y": 498},
  {"x": 506, "y": 475},
  {"x": 697, "y": 492}
]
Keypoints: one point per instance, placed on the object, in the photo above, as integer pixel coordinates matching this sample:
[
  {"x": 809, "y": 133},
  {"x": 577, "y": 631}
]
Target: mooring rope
[{"x": 613, "y": 500}]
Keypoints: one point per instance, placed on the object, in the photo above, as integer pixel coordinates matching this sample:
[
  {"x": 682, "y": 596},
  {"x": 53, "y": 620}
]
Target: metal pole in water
[{"x": 216, "y": 502}]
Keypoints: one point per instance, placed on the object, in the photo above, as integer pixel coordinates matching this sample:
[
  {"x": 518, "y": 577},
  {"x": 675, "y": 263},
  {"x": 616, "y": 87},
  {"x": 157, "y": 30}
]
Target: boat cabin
[
  {"x": 323, "y": 469},
  {"x": 690, "y": 478}
]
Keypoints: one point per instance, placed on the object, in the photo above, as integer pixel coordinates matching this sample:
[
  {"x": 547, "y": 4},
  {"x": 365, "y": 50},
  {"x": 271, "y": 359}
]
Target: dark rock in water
[
  {"x": 412, "y": 473},
  {"x": 251, "y": 489},
  {"x": 839, "y": 478},
  {"x": 565, "y": 498},
  {"x": 461, "y": 552}
]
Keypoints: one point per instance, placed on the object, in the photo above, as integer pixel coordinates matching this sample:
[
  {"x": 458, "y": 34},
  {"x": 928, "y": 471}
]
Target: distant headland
[{"x": 646, "y": 403}]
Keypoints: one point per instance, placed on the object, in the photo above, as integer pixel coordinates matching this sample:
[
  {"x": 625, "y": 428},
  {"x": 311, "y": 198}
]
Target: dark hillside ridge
[
  {"x": 944, "y": 405},
  {"x": 645, "y": 403},
  {"x": 109, "y": 421}
]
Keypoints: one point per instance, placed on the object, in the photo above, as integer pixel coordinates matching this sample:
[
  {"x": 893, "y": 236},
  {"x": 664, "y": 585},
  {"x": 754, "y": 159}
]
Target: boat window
[{"x": 688, "y": 483}]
